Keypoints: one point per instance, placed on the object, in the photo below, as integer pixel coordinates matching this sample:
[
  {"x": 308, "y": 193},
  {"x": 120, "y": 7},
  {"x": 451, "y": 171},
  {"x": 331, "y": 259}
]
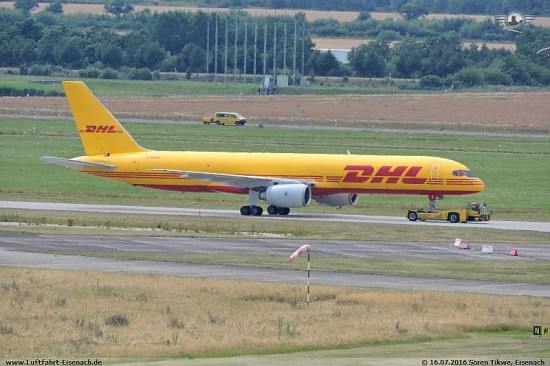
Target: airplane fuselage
[{"x": 328, "y": 174}]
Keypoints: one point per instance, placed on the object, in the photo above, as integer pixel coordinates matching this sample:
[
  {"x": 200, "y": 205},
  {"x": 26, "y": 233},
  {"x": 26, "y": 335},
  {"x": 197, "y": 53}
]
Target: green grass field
[
  {"x": 181, "y": 87},
  {"x": 514, "y": 168},
  {"x": 129, "y": 87},
  {"x": 168, "y": 88}
]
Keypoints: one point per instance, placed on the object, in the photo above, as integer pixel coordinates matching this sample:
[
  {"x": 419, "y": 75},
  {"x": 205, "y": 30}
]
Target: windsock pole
[
  {"x": 302, "y": 249},
  {"x": 308, "y": 262}
]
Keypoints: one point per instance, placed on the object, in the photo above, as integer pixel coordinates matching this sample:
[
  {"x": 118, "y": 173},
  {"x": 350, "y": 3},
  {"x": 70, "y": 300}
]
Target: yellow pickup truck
[
  {"x": 224, "y": 118},
  {"x": 476, "y": 211}
]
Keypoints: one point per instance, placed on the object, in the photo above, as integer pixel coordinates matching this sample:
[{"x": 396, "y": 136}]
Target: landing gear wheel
[
  {"x": 272, "y": 210},
  {"x": 245, "y": 211},
  {"x": 256, "y": 210},
  {"x": 283, "y": 211}
]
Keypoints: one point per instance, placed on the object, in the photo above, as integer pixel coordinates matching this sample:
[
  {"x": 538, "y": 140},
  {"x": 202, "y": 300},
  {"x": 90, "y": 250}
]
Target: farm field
[
  {"x": 311, "y": 15},
  {"x": 348, "y": 43},
  {"x": 514, "y": 112}
]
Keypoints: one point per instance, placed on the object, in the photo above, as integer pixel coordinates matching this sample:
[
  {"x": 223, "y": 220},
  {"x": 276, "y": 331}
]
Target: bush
[
  {"x": 39, "y": 70},
  {"x": 140, "y": 74},
  {"x": 409, "y": 86},
  {"x": 364, "y": 15},
  {"x": 6, "y": 91},
  {"x": 90, "y": 72},
  {"x": 169, "y": 64},
  {"x": 109, "y": 73},
  {"x": 117, "y": 320},
  {"x": 497, "y": 77},
  {"x": 5, "y": 330},
  {"x": 469, "y": 77},
  {"x": 431, "y": 82}
]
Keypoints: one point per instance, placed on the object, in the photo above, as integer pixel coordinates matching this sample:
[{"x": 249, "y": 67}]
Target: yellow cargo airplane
[{"x": 284, "y": 181}]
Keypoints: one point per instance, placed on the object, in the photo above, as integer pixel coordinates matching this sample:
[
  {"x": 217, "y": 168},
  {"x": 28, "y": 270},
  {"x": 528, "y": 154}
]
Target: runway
[
  {"x": 27, "y": 250},
  {"x": 50, "y": 206},
  {"x": 21, "y": 250}
]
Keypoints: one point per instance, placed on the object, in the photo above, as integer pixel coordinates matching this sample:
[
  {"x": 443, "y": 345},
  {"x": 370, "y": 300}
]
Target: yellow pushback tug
[{"x": 476, "y": 211}]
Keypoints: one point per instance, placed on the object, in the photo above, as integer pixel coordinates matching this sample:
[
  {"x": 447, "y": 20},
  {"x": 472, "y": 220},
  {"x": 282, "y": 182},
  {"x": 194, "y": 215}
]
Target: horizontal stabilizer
[{"x": 76, "y": 164}]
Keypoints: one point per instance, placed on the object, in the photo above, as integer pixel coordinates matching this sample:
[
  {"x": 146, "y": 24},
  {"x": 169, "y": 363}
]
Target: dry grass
[
  {"x": 62, "y": 313},
  {"x": 461, "y": 111}
]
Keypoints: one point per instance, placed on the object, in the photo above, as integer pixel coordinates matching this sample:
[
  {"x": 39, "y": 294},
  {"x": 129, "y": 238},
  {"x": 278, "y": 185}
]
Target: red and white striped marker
[{"x": 303, "y": 249}]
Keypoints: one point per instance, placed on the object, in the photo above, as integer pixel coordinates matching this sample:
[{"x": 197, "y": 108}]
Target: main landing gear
[
  {"x": 258, "y": 211},
  {"x": 251, "y": 210},
  {"x": 254, "y": 210},
  {"x": 274, "y": 210}
]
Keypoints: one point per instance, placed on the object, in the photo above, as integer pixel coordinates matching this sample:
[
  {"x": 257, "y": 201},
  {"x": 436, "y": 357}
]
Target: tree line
[
  {"x": 189, "y": 42},
  {"x": 365, "y": 27},
  {"x": 444, "y": 61},
  {"x": 140, "y": 45}
]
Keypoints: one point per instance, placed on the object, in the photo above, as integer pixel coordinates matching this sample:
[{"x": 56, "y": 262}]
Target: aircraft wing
[
  {"x": 241, "y": 181},
  {"x": 76, "y": 164}
]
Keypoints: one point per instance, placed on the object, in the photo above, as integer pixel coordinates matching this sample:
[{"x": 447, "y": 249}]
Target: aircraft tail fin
[{"x": 100, "y": 132}]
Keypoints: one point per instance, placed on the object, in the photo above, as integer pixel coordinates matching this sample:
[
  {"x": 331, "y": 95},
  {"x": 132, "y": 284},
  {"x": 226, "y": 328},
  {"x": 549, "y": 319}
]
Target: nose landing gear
[{"x": 433, "y": 198}]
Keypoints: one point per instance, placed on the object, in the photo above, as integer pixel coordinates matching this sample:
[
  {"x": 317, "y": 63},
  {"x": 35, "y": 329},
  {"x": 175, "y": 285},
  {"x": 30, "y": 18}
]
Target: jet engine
[
  {"x": 337, "y": 200},
  {"x": 287, "y": 195}
]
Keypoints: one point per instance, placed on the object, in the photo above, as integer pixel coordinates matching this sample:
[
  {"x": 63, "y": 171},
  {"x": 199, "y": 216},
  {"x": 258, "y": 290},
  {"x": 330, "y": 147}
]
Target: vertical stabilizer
[{"x": 100, "y": 132}]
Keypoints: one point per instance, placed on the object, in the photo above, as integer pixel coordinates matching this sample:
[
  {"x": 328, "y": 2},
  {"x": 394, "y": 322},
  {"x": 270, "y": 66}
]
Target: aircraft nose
[{"x": 479, "y": 185}]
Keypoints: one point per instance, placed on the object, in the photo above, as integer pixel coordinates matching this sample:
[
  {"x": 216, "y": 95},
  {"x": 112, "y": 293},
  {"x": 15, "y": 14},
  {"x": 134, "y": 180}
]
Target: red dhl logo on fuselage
[
  {"x": 391, "y": 174},
  {"x": 100, "y": 129}
]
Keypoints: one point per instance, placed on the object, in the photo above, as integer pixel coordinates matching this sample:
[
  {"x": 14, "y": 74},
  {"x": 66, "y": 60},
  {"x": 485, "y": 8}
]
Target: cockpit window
[{"x": 463, "y": 173}]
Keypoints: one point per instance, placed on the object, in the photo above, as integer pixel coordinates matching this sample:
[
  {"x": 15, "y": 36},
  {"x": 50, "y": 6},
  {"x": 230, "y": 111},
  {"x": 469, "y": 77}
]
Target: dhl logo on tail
[{"x": 100, "y": 129}]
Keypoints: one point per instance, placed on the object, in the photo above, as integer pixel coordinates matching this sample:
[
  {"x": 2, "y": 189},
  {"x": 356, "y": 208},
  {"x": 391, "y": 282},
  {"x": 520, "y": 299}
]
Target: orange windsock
[{"x": 303, "y": 249}]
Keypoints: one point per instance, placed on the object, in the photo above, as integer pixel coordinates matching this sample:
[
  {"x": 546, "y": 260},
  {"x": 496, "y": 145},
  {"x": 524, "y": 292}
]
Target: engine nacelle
[
  {"x": 287, "y": 195},
  {"x": 338, "y": 199}
]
